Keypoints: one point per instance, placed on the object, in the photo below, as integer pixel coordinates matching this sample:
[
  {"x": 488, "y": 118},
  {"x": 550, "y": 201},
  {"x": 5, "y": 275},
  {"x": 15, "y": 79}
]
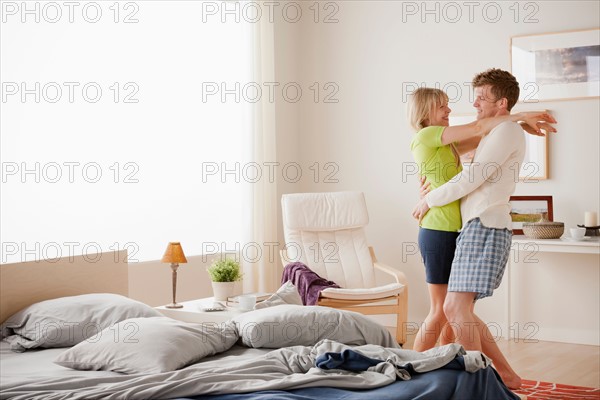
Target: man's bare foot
[{"x": 513, "y": 382}]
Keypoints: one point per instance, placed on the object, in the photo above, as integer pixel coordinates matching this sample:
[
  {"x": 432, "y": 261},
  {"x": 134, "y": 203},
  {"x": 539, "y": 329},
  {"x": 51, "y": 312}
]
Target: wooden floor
[{"x": 571, "y": 364}]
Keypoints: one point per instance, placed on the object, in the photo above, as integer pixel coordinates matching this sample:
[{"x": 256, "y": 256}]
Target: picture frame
[
  {"x": 557, "y": 66},
  {"x": 535, "y": 164},
  {"x": 529, "y": 209}
]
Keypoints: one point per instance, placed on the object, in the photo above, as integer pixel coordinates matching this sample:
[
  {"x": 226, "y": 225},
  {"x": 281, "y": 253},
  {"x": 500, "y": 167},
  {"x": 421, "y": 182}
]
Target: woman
[{"x": 436, "y": 148}]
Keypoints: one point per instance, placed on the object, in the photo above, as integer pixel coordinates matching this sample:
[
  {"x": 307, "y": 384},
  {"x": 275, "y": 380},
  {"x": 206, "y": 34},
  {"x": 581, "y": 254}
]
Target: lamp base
[{"x": 174, "y": 305}]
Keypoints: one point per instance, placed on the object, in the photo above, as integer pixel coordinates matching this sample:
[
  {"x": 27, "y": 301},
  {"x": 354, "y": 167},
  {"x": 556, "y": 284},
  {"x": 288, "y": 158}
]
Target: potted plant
[{"x": 223, "y": 274}]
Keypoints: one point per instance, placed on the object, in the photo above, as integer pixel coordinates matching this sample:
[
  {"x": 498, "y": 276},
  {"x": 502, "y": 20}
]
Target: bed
[{"x": 144, "y": 355}]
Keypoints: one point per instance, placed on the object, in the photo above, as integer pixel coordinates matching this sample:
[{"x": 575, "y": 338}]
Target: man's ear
[{"x": 503, "y": 103}]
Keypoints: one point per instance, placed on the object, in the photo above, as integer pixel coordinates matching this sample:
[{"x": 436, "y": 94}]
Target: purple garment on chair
[{"x": 307, "y": 282}]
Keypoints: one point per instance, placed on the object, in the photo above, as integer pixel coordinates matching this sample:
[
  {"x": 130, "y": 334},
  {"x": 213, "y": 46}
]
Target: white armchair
[{"x": 325, "y": 231}]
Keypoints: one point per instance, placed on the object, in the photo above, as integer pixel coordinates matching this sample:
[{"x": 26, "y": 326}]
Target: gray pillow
[
  {"x": 293, "y": 325},
  {"x": 66, "y": 321},
  {"x": 286, "y": 294},
  {"x": 148, "y": 345}
]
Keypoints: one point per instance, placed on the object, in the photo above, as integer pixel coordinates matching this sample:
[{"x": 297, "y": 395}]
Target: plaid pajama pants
[{"x": 480, "y": 259}]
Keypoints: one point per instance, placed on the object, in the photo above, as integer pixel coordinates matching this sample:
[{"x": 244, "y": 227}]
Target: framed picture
[
  {"x": 529, "y": 209},
  {"x": 535, "y": 163},
  {"x": 557, "y": 66}
]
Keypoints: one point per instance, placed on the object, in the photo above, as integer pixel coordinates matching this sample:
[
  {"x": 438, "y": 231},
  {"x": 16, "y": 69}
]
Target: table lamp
[{"x": 174, "y": 255}]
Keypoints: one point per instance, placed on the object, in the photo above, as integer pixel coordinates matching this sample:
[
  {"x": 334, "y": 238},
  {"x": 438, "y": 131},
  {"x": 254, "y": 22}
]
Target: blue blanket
[
  {"x": 451, "y": 382},
  {"x": 447, "y": 383},
  {"x": 348, "y": 359}
]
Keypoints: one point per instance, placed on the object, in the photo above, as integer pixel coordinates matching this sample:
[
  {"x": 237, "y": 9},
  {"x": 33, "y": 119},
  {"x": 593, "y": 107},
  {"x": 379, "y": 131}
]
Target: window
[{"x": 112, "y": 134}]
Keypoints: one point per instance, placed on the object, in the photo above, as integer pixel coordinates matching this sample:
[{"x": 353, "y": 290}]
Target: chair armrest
[{"x": 398, "y": 275}]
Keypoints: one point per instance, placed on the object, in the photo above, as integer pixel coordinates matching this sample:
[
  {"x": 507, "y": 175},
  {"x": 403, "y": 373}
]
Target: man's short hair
[{"x": 503, "y": 84}]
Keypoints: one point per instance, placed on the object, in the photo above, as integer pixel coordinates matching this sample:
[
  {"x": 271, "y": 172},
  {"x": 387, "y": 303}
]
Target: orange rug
[{"x": 535, "y": 390}]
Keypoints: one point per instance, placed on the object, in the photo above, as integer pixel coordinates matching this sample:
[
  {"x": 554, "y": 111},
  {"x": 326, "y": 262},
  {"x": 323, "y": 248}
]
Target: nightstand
[{"x": 192, "y": 312}]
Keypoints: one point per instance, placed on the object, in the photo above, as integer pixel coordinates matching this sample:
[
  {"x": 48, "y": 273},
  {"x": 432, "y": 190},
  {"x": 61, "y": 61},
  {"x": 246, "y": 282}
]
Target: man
[{"x": 483, "y": 246}]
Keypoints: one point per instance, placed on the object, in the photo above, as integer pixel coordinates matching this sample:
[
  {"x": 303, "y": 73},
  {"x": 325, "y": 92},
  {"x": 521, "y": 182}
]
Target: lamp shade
[{"x": 174, "y": 254}]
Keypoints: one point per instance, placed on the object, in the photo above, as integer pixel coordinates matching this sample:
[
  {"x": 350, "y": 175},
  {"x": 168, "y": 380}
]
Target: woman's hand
[
  {"x": 536, "y": 122},
  {"x": 542, "y": 126},
  {"x": 420, "y": 210}
]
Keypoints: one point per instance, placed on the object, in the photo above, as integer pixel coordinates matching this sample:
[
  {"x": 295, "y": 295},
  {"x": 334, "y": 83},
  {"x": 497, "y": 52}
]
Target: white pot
[{"x": 222, "y": 290}]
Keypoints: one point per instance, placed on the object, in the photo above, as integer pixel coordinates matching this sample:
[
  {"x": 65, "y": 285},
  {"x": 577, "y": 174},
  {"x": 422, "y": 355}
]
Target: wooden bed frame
[{"x": 22, "y": 284}]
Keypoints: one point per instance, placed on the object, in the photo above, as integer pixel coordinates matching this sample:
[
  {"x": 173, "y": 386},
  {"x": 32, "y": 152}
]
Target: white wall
[
  {"x": 151, "y": 281},
  {"x": 370, "y": 53}
]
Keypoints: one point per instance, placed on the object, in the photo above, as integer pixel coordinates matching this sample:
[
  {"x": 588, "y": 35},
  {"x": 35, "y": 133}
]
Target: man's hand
[
  {"x": 425, "y": 187},
  {"x": 537, "y": 123},
  {"x": 420, "y": 210}
]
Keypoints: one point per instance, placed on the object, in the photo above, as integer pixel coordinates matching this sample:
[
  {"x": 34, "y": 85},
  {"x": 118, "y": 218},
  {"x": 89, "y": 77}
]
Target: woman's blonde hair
[{"x": 421, "y": 104}]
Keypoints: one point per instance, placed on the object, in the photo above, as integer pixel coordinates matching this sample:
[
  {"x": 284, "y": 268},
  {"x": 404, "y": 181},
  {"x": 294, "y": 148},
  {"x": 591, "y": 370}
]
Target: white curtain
[{"x": 262, "y": 220}]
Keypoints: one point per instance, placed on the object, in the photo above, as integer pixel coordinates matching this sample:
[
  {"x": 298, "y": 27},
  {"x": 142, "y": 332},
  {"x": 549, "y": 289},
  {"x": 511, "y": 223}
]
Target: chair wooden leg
[
  {"x": 400, "y": 328},
  {"x": 402, "y": 317}
]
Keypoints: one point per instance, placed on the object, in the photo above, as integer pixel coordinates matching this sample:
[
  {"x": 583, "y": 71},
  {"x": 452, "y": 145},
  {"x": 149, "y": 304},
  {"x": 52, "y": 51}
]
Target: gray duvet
[{"x": 232, "y": 372}]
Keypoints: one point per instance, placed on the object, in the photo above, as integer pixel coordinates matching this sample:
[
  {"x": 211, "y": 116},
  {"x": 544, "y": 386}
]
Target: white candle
[{"x": 591, "y": 218}]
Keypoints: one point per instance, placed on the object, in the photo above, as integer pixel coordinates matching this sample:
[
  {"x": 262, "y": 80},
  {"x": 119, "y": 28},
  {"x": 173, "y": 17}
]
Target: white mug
[
  {"x": 247, "y": 301},
  {"x": 577, "y": 233}
]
